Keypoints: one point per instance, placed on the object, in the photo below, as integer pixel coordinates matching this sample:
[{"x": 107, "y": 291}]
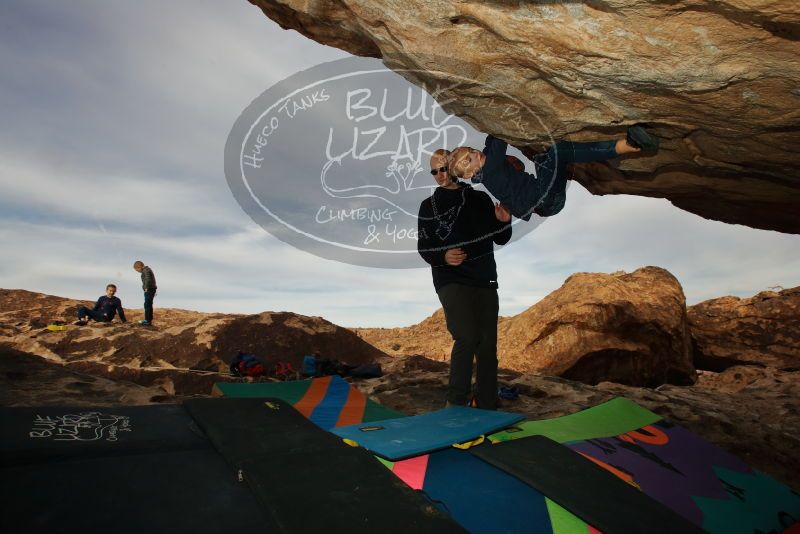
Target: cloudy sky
[{"x": 113, "y": 120}]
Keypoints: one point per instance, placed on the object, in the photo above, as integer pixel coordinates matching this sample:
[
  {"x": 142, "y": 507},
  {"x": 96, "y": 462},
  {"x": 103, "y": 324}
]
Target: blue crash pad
[{"x": 395, "y": 439}]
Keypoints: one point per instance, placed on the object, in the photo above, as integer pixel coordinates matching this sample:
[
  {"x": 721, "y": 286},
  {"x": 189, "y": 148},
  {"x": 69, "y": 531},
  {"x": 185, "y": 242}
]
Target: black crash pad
[
  {"x": 587, "y": 490},
  {"x": 308, "y": 478},
  {"x": 123, "y": 470}
]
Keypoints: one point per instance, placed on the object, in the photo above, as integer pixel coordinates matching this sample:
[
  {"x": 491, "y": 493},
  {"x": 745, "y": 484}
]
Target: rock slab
[{"x": 717, "y": 80}]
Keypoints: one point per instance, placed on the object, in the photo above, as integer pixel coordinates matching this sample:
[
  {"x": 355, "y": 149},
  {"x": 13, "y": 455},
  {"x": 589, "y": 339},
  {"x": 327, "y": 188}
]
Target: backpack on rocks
[{"x": 246, "y": 364}]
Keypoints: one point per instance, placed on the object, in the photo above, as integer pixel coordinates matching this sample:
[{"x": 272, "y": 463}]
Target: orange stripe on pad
[
  {"x": 316, "y": 392},
  {"x": 611, "y": 469},
  {"x": 353, "y": 411}
]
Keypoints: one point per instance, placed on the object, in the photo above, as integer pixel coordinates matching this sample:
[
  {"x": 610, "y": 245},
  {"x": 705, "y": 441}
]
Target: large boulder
[
  {"x": 718, "y": 80},
  {"x": 761, "y": 330},
  {"x": 627, "y": 328}
]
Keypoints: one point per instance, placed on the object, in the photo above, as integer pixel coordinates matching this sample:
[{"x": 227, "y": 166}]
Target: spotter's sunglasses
[{"x": 437, "y": 171}]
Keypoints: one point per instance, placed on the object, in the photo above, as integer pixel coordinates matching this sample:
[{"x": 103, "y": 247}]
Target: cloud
[
  {"x": 616, "y": 232},
  {"x": 157, "y": 94},
  {"x": 94, "y": 196}
]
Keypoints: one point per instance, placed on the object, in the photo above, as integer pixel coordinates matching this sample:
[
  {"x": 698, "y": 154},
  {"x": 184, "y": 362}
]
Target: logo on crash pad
[{"x": 87, "y": 426}]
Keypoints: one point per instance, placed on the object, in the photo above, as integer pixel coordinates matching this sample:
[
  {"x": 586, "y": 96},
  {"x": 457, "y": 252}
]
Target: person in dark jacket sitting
[
  {"x": 104, "y": 309},
  {"x": 458, "y": 227},
  {"x": 545, "y": 193}
]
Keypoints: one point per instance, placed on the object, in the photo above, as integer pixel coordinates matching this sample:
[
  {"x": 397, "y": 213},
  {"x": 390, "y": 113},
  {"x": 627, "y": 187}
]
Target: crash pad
[
  {"x": 292, "y": 464},
  {"x": 327, "y": 401},
  {"x": 703, "y": 482},
  {"x": 404, "y": 437},
  {"x": 120, "y": 469},
  {"x": 617, "y": 416},
  {"x": 592, "y": 493}
]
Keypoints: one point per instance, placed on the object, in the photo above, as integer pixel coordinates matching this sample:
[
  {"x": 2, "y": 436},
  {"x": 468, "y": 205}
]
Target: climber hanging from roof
[{"x": 523, "y": 193}]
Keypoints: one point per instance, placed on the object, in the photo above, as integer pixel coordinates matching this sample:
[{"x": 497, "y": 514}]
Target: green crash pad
[{"x": 611, "y": 418}]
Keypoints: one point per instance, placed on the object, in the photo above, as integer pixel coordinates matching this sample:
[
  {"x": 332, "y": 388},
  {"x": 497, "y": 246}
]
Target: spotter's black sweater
[{"x": 461, "y": 218}]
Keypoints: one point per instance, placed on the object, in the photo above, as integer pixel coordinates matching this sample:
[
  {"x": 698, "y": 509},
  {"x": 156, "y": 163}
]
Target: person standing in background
[{"x": 149, "y": 287}]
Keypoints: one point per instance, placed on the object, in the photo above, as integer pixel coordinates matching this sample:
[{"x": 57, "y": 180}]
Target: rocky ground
[
  {"x": 745, "y": 399},
  {"x": 185, "y": 353}
]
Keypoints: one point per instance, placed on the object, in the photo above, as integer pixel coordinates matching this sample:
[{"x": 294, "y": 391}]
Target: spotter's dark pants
[{"x": 471, "y": 314}]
